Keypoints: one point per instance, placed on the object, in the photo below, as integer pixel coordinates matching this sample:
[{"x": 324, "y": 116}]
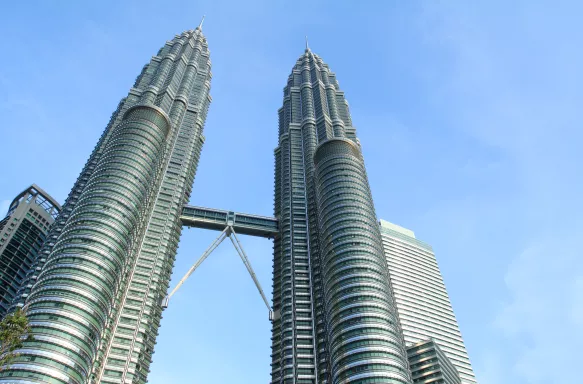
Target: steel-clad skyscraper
[
  {"x": 95, "y": 306},
  {"x": 335, "y": 317}
]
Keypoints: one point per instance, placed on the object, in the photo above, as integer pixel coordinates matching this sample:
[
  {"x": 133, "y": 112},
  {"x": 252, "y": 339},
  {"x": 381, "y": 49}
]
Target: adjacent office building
[
  {"x": 424, "y": 308},
  {"x": 429, "y": 365},
  {"x": 22, "y": 233},
  {"x": 94, "y": 307}
]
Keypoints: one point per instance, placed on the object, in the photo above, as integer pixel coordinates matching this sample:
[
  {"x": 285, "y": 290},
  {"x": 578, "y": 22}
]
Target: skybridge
[
  {"x": 229, "y": 223},
  {"x": 217, "y": 219}
]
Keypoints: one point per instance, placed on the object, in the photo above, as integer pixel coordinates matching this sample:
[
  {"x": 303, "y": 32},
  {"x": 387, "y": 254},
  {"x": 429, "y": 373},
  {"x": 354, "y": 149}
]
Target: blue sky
[{"x": 470, "y": 118}]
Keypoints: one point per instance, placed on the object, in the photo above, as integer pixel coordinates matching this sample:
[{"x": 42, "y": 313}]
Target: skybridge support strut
[
  {"x": 230, "y": 233},
  {"x": 206, "y": 254},
  {"x": 241, "y": 252}
]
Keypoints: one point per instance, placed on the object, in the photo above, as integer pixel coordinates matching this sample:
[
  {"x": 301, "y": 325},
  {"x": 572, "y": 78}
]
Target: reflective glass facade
[
  {"x": 336, "y": 320},
  {"x": 93, "y": 296},
  {"x": 422, "y": 300},
  {"x": 22, "y": 233}
]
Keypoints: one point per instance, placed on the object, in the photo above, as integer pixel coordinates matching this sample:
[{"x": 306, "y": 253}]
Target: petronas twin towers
[{"x": 94, "y": 297}]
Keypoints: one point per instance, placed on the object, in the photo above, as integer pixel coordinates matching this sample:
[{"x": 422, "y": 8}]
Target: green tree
[{"x": 14, "y": 329}]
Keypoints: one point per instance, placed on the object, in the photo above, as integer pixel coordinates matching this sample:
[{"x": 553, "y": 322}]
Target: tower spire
[
  {"x": 200, "y": 25},
  {"x": 307, "y": 46}
]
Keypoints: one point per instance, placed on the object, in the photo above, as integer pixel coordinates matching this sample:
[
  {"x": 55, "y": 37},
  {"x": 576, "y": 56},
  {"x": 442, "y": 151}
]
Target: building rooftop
[
  {"x": 397, "y": 228},
  {"x": 402, "y": 233}
]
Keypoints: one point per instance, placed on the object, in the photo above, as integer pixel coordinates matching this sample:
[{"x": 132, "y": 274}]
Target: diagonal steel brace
[
  {"x": 206, "y": 254},
  {"x": 227, "y": 232},
  {"x": 241, "y": 252}
]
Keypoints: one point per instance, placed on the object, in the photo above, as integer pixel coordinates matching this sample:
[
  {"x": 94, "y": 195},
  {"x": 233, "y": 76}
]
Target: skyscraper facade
[
  {"x": 94, "y": 307},
  {"x": 335, "y": 317},
  {"x": 422, "y": 300},
  {"x": 22, "y": 233}
]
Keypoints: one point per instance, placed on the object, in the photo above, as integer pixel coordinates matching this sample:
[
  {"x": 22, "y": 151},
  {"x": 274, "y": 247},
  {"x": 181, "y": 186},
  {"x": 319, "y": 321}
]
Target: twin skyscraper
[{"x": 94, "y": 293}]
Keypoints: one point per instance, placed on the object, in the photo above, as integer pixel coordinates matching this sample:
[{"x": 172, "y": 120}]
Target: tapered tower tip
[
  {"x": 307, "y": 46},
  {"x": 200, "y": 25}
]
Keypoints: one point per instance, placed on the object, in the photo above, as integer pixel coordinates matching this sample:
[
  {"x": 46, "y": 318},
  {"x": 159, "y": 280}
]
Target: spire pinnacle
[
  {"x": 307, "y": 46},
  {"x": 200, "y": 25}
]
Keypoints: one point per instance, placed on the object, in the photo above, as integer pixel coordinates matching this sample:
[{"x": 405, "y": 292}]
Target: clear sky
[{"x": 470, "y": 115}]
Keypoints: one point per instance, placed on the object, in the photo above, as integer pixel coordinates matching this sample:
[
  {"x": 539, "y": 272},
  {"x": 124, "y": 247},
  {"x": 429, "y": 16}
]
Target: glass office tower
[
  {"x": 335, "y": 318},
  {"x": 422, "y": 301},
  {"x": 94, "y": 307},
  {"x": 22, "y": 233}
]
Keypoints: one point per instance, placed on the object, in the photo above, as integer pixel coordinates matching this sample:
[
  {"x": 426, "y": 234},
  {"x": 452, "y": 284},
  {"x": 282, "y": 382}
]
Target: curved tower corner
[
  {"x": 337, "y": 320},
  {"x": 94, "y": 307}
]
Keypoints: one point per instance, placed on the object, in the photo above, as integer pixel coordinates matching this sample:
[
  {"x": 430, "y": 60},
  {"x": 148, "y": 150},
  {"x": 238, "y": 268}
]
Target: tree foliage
[{"x": 14, "y": 330}]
